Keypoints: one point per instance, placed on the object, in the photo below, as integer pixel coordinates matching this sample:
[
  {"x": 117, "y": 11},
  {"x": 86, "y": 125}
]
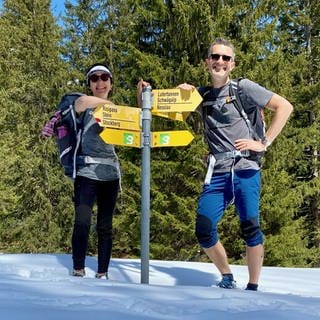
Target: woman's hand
[{"x": 141, "y": 84}]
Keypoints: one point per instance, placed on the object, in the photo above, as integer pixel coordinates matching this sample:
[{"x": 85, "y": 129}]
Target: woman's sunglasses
[
  {"x": 103, "y": 77},
  {"x": 216, "y": 57}
]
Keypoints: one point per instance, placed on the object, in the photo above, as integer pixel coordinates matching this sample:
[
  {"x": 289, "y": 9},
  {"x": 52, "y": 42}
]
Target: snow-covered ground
[{"x": 39, "y": 287}]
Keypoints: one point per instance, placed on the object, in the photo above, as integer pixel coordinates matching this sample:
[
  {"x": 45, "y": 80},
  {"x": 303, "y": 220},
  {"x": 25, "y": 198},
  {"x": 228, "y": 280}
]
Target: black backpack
[
  {"x": 64, "y": 125},
  {"x": 68, "y": 133},
  {"x": 254, "y": 118}
]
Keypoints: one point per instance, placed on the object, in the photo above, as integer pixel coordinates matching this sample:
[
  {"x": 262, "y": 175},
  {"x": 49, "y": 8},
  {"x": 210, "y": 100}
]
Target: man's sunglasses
[
  {"x": 216, "y": 57},
  {"x": 103, "y": 77}
]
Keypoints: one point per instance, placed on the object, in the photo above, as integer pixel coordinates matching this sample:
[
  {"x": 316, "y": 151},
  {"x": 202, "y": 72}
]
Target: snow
[{"x": 39, "y": 286}]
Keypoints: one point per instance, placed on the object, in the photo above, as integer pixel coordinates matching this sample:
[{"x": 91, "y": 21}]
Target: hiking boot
[
  {"x": 78, "y": 273},
  {"x": 227, "y": 282},
  {"x": 102, "y": 275},
  {"x": 252, "y": 287}
]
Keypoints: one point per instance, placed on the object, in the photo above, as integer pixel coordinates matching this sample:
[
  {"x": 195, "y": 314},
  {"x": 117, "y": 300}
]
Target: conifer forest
[{"x": 43, "y": 56}]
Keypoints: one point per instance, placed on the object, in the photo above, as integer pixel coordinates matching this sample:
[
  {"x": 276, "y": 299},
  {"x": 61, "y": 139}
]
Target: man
[{"x": 233, "y": 173}]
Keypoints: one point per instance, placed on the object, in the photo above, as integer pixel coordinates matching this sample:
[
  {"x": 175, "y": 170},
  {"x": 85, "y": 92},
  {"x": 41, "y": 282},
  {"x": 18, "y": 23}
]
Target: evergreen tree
[
  {"x": 30, "y": 81},
  {"x": 164, "y": 42},
  {"x": 305, "y": 168}
]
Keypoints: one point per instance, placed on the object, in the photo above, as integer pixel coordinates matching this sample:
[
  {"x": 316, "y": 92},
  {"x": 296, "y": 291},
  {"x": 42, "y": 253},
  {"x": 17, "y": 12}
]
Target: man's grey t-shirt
[
  {"x": 223, "y": 123},
  {"x": 101, "y": 160}
]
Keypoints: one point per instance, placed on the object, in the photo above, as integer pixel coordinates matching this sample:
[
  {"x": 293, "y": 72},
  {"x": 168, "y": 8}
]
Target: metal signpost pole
[
  {"x": 145, "y": 183},
  {"x": 123, "y": 127}
]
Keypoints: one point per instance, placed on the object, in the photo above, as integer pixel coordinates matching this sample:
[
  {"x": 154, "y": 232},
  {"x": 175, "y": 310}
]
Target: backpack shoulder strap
[
  {"x": 205, "y": 93},
  {"x": 235, "y": 96},
  {"x": 236, "y": 99},
  {"x": 67, "y": 102}
]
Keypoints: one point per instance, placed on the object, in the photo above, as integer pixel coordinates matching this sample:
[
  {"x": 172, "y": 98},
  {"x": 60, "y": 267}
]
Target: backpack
[
  {"x": 63, "y": 124},
  {"x": 254, "y": 117}
]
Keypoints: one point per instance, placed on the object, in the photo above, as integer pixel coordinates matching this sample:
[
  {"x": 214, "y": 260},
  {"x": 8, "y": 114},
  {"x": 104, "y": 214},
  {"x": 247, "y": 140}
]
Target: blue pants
[
  {"x": 244, "y": 190},
  {"x": 86, "y": 193}
]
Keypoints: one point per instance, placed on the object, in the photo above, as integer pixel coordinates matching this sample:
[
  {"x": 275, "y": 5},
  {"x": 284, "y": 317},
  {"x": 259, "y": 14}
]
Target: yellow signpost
[
  {"x": 173, "y": 104},
  {"x": 175, "y": 100},
  {"x": 171, "y": 138},
  {"x": 122, "y": 137},
  {"x": 158, "y": 139},
  {"x": 123, "y": 124},
  {"x": 177, "y": 116},
  {"x": 118, "y": 117}
]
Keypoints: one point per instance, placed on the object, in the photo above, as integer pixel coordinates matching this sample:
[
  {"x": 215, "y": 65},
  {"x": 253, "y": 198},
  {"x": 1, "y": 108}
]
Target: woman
[{"x": 97, "y": 176}]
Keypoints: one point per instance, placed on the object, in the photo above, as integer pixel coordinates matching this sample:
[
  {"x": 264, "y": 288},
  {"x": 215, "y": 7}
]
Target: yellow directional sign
[
  {"x": 119, "y": 117},
  {"x": 171, "y": 138},
  {"x": 178, "y": 116},
  {"x": 159, "y": 139},
  {"x": 175, "y": 100},
  {"x": 121, "y": 137}
]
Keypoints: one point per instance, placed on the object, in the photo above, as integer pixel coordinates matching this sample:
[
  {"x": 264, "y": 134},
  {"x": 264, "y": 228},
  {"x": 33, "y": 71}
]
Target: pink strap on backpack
[{"x": 48, "y": 129}]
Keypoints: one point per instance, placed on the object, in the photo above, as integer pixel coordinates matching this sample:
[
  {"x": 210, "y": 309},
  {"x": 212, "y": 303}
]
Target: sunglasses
[
  {"x": 103, "y": 77},
  {"x": 216, "y": 57}
]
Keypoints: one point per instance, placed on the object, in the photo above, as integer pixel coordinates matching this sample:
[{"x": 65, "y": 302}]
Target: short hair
[{"x": 223, "y": 42}]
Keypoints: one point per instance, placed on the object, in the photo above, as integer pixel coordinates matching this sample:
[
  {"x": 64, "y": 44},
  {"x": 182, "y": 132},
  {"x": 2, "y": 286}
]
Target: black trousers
[{"x": 86, "y": 193}]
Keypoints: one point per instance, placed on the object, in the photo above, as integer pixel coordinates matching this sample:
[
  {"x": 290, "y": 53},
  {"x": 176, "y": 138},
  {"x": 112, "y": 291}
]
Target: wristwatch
[{"x": 266, "y": 142}]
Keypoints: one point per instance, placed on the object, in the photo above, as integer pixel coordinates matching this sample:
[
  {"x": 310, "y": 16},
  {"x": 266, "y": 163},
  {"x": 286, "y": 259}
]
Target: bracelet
[{"x": 266, "y": 142}]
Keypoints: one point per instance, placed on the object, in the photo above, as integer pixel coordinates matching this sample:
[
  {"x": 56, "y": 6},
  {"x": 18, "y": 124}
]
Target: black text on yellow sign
[
  {"x": 175, "y": 100},
  {"x": 118, "y": 117}
]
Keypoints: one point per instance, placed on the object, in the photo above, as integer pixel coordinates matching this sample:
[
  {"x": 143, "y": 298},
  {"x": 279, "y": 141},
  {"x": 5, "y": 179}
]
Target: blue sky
[{"x": 57, "y": 6}]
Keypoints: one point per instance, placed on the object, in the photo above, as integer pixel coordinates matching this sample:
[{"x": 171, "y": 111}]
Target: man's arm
[
  {"x": 282, "y": 109},
  {"x": 190, "y": 87}
]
